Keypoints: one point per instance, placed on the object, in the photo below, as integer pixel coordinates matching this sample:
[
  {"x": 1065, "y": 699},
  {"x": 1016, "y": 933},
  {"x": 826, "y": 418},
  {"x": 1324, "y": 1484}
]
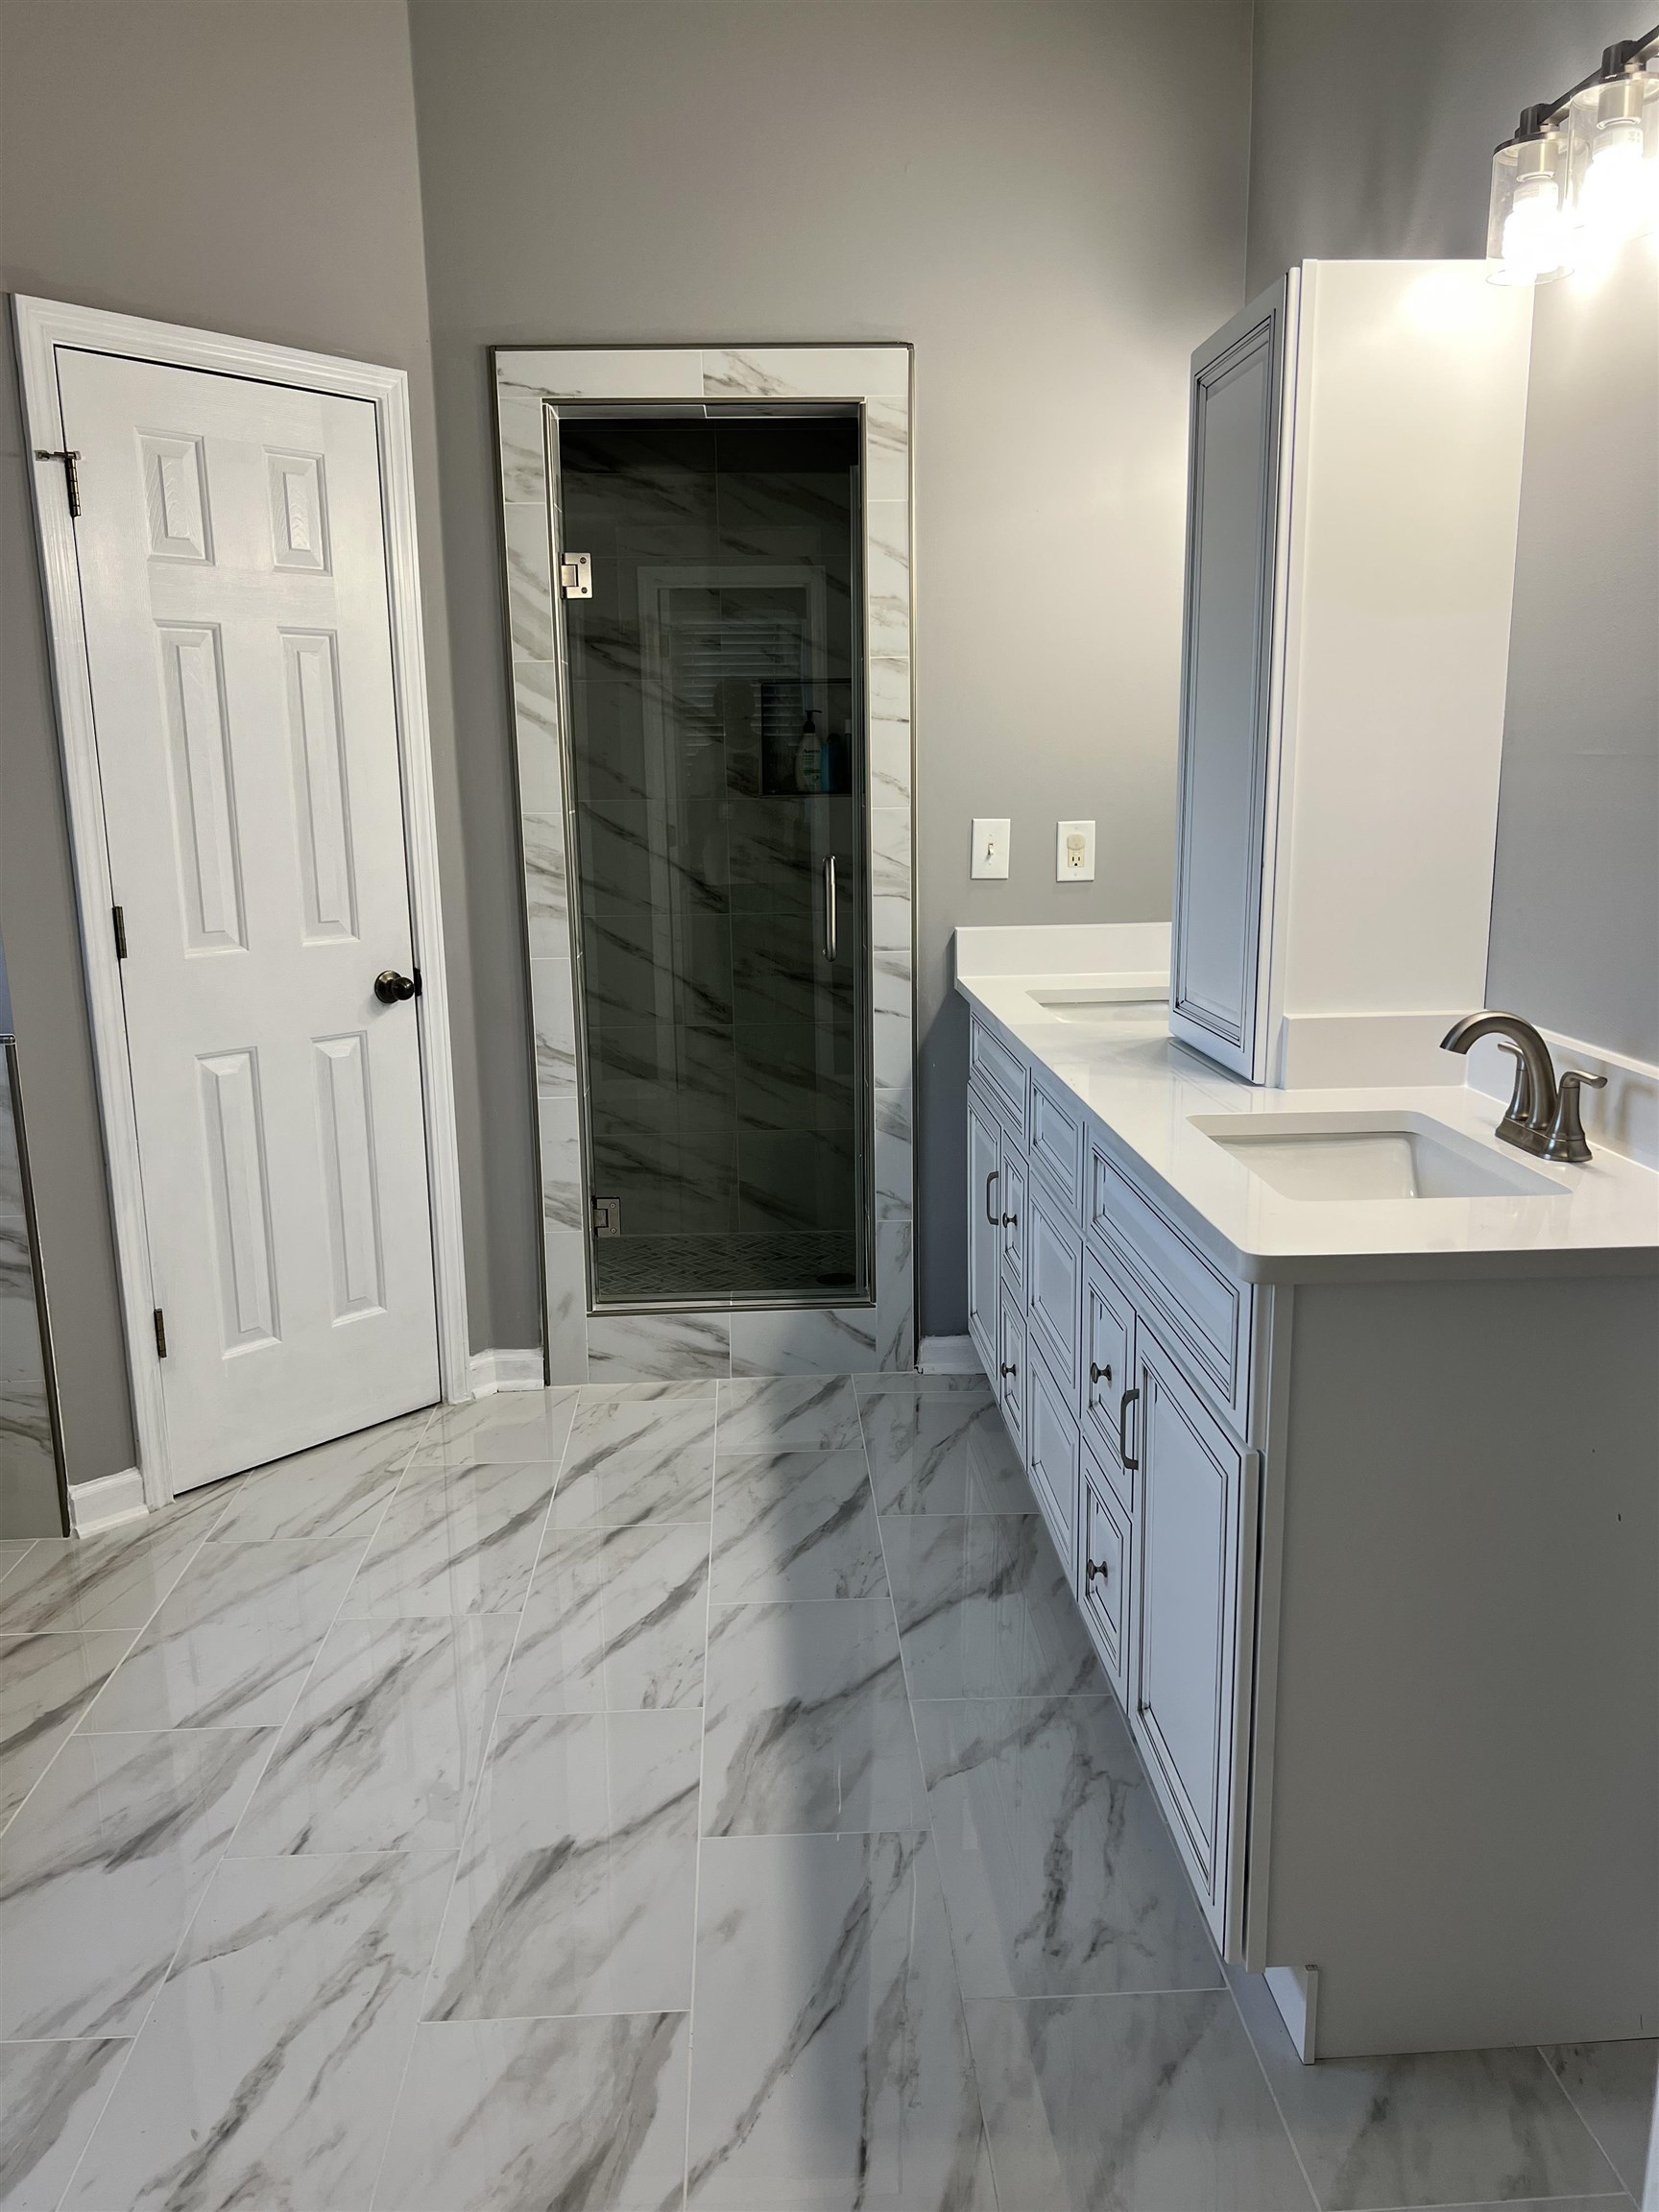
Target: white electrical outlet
[
  {"x": 1074, "y": 852},
  {"x": 990, "y": 856}
]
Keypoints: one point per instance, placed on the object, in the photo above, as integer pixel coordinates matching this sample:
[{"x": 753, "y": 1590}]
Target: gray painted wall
[
  {"x": 1575, "y": 899},
  {"x": 1001, "y": 185},
  {"x": 1374, "y": 123},
  {"x": 246, "y": 168},
  {"x": 1373, "y": 120}
]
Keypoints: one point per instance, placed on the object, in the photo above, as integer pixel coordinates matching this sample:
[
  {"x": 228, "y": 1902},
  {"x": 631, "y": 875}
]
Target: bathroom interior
[{"x": 830, "y": 1165}]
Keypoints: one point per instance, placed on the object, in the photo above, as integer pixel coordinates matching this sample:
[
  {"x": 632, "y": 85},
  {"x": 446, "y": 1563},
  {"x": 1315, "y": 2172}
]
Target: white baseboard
[
  {"x": 1296, "y": 1990},
  {"x": 489, "y": 1372},
  {"x": 947, "y": 1356},
  {"x": 107, "y": 1500}
]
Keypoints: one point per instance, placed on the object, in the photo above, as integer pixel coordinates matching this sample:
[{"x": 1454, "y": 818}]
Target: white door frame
[{"x": 41, "y": 326}]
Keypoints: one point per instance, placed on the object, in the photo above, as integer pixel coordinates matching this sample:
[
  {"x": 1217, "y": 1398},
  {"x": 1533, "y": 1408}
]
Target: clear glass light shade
[
  {"x": 1529, "y": 239},
  {"x": 1613, "y": 163}
]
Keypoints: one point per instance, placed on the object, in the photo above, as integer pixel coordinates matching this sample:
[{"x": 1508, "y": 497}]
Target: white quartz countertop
[{"x": 1143, "y": 1093}]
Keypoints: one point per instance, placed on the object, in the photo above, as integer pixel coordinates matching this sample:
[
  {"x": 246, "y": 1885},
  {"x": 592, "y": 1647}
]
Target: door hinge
[
  {"x": 607, "y": 1216},
  {"x": 71, "y": 471},
  {"x": 161, "y": 1320},
  {"x": 576, "y": 576},
  {"x": 120, "y": 921}
]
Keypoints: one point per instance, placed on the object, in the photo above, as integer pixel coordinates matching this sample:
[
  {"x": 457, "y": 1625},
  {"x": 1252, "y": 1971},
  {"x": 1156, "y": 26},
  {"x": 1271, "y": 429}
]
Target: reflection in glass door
[{"x": 717, "y": 736}]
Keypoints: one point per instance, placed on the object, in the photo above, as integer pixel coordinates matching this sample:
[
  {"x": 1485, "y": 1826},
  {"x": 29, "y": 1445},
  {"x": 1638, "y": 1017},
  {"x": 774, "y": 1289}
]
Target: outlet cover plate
[
  {"x": 990, "y": 854},
  {"x": 1074, "y": 852}
]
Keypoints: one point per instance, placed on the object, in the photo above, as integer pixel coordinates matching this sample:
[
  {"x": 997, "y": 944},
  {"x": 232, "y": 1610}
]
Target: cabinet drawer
[
  {"x": 1057, "y": 1139},
  {"x": 1203, "y": 1313},
  {"x": 1010, "y": 1376},
  {"x": 1002, "y": 1073},
  {"x": 1108, "y": 1376},
  {"x": 1107, "y": 1553},
  {"x": 1052, "y": 1460},
  {"x": 1054, "y": 1295},
  {"x": 1016, "y": 1229}
]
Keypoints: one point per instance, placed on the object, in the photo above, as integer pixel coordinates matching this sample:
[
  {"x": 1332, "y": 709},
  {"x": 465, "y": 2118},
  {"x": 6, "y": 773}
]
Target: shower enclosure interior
[{"x": 712, "y": 659}]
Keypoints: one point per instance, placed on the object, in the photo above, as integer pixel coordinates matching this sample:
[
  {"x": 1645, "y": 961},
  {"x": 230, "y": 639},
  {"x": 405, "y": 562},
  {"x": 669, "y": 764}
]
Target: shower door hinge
[
  {"x": 161, "y": 1320},
  {"x": 576, "y": 576},
  {"x": 607, "y": 1216}
]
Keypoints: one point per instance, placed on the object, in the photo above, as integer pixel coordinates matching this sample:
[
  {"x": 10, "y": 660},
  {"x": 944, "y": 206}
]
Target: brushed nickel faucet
[{"x": 1543, "y": 1115}]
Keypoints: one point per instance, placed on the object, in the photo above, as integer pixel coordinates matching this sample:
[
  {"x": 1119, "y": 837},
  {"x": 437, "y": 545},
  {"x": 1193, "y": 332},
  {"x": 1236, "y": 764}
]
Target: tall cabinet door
[
  {"x": 1228, "y": 765},
  {"x": 984, "y": 1227}
]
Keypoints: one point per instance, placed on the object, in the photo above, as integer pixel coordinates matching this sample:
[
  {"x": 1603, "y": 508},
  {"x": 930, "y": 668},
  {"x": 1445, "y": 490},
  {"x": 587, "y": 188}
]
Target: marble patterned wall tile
[
  {"x": 887, "y": 449},
  {"x": 546, "y": 893},
  {"x": 603, "y": 372},
  {"x": 529, "y": 582},
  {"x": 896, "y": 1294},
  {"x": 890, "y": 764},
  {"x": 565, "y": 1275},
  {"x": 806, "y": 373},
  {"x": 536, "y": 720},
  {"x": 894, "y": 1157},
  {"x": 887, "y": 576},
  {"x": 523, "y": 445},
  {"x": 558, "y": 1127},
  {"x": 645, "y": 1347},
  {"x": 553, "y": 1006},
  {"x": 890, "y": 863},
  {"x": 816, "y": 1340}
]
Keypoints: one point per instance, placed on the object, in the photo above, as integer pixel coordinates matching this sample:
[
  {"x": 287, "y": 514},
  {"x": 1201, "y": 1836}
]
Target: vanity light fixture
[{"x": 1581, "y": 174}]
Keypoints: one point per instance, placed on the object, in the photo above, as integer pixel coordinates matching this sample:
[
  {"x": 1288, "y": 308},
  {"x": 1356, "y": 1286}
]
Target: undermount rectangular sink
[
  {"x": 1086, "y": 1001},
  {"x": 1379, "y": 1155}
]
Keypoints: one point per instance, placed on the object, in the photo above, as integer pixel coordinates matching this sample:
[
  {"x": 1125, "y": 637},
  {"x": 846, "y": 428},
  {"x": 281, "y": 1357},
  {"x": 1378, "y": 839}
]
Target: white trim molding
[
  {"x": 105, "y": 1502},
  {"x": 492, "y": 1371},
  {"x": 42, "y": 327},
  {"x": 531, "y": 384}
]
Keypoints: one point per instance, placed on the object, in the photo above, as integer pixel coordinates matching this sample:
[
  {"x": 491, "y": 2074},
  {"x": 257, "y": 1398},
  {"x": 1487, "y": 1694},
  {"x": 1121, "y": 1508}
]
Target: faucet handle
[
  {"x": 1519, "y": 1111},
  {"x": 1566, "y": 1139}
]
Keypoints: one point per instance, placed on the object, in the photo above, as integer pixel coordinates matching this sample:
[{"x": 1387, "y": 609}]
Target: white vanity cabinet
[
  {"x": 1356, "y": 444},
  {"x": 1121, "y": 1354},
  {"x": 1366, "y": 1551}
]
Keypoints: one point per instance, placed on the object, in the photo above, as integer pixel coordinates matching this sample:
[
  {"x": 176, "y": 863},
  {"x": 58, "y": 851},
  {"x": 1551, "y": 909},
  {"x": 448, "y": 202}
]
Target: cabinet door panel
[
  {"x": 1224, "y": 797},
  {"x": 1015, "y": 1227},
  {"x": 1196, "y": 1496},
  {"x": 1108, "y": 1338},
  {"x": 1107, "y": 1551},
  {"x": 1054, "y": 1257},
  {"x": 1010, "y": 1376},
  {"x": 1052, "y": 1458},
  {"x": 984, "y": 1227}
]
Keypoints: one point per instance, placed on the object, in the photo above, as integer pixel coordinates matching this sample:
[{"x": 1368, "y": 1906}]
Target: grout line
[
  {"x": 702, "y": 1772},
  {"x": 927, "y": 1800},
  {"x": 487, "y": 1751},
  {"x": 1584, "y": 2121},
  {"x": 276, "y": 1733}
]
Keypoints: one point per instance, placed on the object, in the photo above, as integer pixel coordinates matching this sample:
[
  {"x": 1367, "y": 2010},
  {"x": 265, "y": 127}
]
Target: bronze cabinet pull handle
[{"x": 1123, "y": 1405}]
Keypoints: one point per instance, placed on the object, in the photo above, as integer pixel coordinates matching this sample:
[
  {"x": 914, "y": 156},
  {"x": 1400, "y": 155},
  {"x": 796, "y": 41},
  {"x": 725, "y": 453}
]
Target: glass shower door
[{"x": 717, "y": 769}]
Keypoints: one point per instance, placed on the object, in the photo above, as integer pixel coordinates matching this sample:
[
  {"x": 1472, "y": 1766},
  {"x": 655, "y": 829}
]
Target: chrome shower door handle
[{"x": 830, "y": 908}]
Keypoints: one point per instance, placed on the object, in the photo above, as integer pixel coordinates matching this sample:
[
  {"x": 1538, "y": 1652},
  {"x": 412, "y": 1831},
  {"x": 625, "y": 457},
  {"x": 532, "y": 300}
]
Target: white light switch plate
[
  {"x": 990, "y": 856},
  {"x": 1074, "y": 852}
]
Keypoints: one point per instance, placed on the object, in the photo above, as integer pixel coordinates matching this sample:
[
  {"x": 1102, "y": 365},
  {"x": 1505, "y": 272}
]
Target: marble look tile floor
[{"x": 654, "y": 1795}]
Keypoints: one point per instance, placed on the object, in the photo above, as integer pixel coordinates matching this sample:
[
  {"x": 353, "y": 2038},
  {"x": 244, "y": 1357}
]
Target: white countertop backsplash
[{"x": 1142, "y": 1091}]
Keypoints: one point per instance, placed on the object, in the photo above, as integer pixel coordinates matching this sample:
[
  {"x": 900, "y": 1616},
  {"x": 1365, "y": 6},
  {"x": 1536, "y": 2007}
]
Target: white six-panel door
[{"x": 235, "y": 602}]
